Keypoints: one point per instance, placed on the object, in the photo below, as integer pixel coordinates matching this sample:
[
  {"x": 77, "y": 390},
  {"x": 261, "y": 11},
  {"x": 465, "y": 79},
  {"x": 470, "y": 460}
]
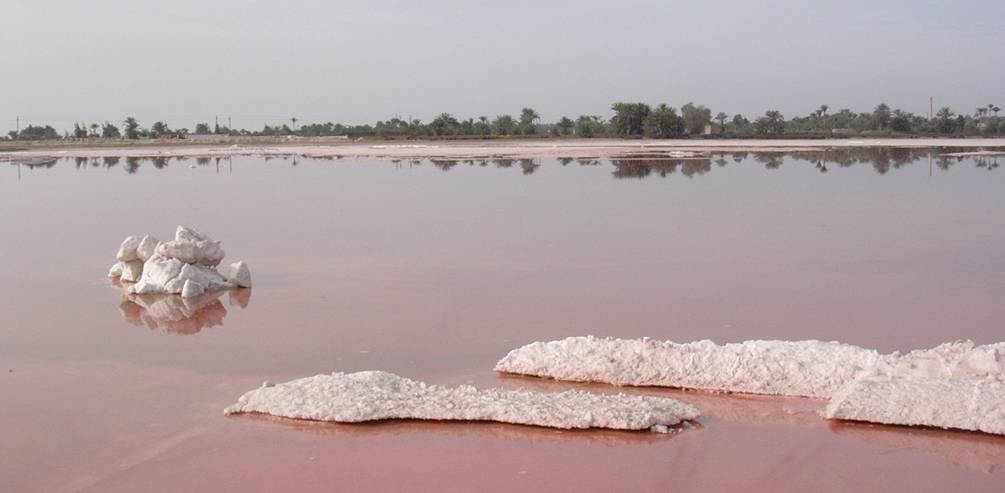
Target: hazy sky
[{"x": 264, "y": 61}]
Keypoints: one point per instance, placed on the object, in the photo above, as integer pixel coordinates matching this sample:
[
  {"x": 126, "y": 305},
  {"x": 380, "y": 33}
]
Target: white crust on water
[
  {"x": 593, "y": 148},
  {"x": 959, "y": 360},
  {"x": 974, "y": 405},
  {"x": 377, "y": 395},
  {"x": 802, "y": 368},
  {"x": 954, "y": 385}
]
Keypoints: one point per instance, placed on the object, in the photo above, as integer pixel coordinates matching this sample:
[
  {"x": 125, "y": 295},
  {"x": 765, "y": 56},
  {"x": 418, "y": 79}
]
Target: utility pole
[
  {"x": 18, "y": 126},
  {"x": 931, "y": 107},
  {"x": 229, "y": 127}
]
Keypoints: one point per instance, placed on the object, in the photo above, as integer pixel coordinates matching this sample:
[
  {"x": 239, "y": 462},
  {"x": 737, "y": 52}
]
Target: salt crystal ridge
[{"x": 377, "y": 395}]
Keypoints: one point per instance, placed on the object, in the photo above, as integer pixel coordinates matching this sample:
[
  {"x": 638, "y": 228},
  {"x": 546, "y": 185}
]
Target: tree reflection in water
[
  {"x": 641, "y": 168},
  {"x": 630, "y": 165}
]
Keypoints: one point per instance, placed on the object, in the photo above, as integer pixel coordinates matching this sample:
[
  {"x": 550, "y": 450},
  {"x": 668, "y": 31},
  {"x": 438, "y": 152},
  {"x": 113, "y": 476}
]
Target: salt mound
[
  {"x": 803, "y": 368},
  {"x": 964, "y": 404},
  {"x": 185, "y": 265},
  {"x": 377, "y": 395}
]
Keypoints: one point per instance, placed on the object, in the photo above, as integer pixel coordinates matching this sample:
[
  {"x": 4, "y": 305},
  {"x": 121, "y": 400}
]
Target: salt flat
[{"x": 578, "y": 148}]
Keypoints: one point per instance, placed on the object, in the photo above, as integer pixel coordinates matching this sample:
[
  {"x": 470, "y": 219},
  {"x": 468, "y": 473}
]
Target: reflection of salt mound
[
  {"x": 173, "y": 314},
  {"x": 955, "y": 385},
  {"x": 185, "y": 265},
  {"x": 376, "y": 395},
  {"x": 804, "y": 368}
]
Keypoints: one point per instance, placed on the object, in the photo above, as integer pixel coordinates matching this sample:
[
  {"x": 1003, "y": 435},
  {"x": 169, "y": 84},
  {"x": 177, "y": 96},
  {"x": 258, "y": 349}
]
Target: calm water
[{"x": 434, "y": 270}]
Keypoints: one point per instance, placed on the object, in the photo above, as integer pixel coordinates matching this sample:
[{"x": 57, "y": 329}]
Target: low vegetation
[{"x": 629, "y": 120}]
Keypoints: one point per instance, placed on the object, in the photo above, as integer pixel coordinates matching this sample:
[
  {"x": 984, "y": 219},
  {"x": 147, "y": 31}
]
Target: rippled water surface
[{"x": 435, "y": 269}]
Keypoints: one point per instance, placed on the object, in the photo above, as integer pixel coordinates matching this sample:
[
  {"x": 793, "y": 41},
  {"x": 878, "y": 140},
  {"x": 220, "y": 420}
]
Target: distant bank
[{"x": 475, "y": 149}]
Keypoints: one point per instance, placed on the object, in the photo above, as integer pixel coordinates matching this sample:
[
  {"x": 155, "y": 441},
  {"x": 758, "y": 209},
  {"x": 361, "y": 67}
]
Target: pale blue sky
[{"x": 264, "y": 61}]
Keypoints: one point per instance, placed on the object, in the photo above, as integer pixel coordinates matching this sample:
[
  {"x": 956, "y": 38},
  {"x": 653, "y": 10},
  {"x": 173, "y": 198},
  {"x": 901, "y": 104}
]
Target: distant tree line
[{"x": 629, "y": 120}]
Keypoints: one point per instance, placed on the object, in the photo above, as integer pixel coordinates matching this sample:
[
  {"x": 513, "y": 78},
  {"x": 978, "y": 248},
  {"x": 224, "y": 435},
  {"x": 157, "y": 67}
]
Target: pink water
[{"x": 436, "y": 274}]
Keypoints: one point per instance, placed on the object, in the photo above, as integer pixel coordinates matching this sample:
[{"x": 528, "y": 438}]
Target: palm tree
[
  {"x": 527, "y": 118},
  {"x": 721, "y": 118},
  {"x": 996, "y": 110},
  {"x": 94, "y": 129},
  {"x": 294, "y": 122}
]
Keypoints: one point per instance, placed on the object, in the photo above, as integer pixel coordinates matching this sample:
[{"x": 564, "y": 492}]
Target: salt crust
[
  {"x": 964, "y": 404},
  {"x": 377, "y": 395},
  {"x": 803, "y": 368},
  {"x": 955, "y": 385}
]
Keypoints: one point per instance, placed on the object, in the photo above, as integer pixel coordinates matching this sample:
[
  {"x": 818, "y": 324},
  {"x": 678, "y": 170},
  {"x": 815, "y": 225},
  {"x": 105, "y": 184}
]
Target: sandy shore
[{"x": 594, "y": 148}]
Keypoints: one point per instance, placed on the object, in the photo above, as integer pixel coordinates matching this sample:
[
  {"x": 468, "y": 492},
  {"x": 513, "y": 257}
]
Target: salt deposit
[
  {"x": 965, "y": 404},
  {"x": 131, "y": 271},
  {"x": 239, "y": 274},
  {"x": 185, "y": 265},
  {"x": 803, "y": 368},
  {"x": 955, "y": 385},
  {"x": 960, "y": 360},
  {"x": 191, "y": 247},
  {"x": 577, "y": 148},
  {"x": 376, "y": 395},
  {"x": 147, "y": 247},
  {"x": 127, "y": 250}
]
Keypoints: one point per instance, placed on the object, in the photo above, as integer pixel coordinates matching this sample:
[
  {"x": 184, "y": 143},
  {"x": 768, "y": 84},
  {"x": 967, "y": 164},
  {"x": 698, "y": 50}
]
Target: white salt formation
[
  {"x": 952, "y": 360},
  {"x": 804, "y": 368},
  {"x": 239, "y": 274},
  {"x": 185, "y": 265},
  {"x": 975, "y": 405},
  {"x": 377, "y": 395},
  {"x": 955, "y": 385}
]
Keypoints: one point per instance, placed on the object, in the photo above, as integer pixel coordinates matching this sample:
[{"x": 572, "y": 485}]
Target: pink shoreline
[{"x": 599, "y": 148}]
